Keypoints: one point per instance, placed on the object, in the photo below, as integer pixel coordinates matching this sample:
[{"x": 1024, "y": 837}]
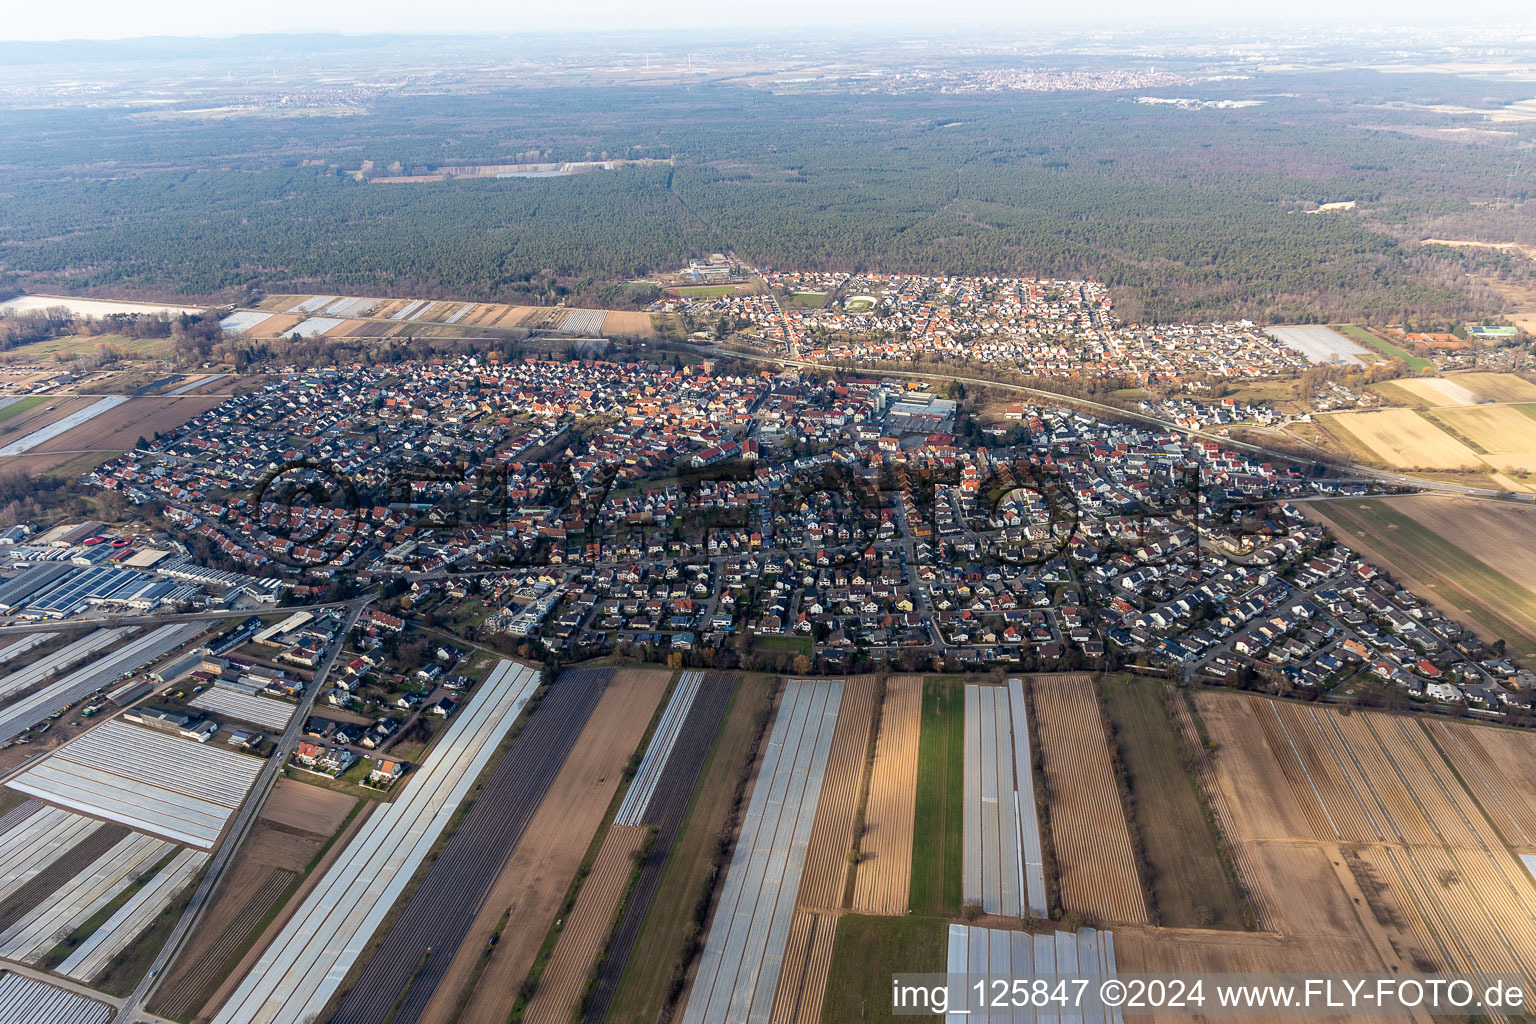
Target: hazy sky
[{"x": 113, "y": 19}]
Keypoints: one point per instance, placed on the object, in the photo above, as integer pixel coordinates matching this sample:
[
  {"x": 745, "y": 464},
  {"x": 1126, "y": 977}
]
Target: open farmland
[
  {"x": 1499, "y": 767},
  {"x": 738, "y": 973},
  {"x": 994, "y": 953},
  {"x": 298, "y": 972},
  {"x": 938, "y": 805},
  {"x": 89, "y": 307},
  {"x": 96, "y": 954},
  {"x": 535, "y": 873},
  {"x": 296, "y": 823},
  {"x": 116, "y": 425},
  {"x": 1434, "y": 392},
  {"x": 581, "y": 938},
  {"x": 654, "y": 941},
  {"x": 1497, "y": 387},
  {"x": 1450, "y": 550},
  {"x": 1094, "y": 858},
  {"x": 1189, "y": 880},
  {"x": 994, "y": 863},
  {"x": 832, "y": 839},
  {"x": 26, "y": 1000},
  {"x": 26, "y": 418},
  {"x": 1403, "y": 439},
  {"x": 1506, "y": 434},
  {"x": 629, "y": 325},
  {"x": 1370, "y": 802},
  {"x": 884, "y": 874},
  {"x": 1320, "y": 344}
]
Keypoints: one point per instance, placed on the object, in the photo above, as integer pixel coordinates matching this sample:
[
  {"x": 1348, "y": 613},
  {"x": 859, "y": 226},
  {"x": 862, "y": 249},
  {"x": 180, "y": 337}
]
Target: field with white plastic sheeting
[
  {"x": 738, "y": 971},
  {"x": 63, "y": 658},
  {"x": 298, "y": 973},
  {"x": 92, "y": 956},
  {"x": 583, "y": 321},
  {"x": 1003, "y": 870},
  {"x": 1320, "y": 344},
  {"x": 638, "y": 798},
  {"x": 89, "y": 307},
  {"x": 37, "y": 842},
  {"x": 313, "y": 304},
  {"x": 263, "y": 711},
  {"x": 22, "y": 714},
  {"x": 42, "y": 928},
  {"x": 245, "y": 320},
  {"x": 315, "y": 326},
  {"x": 63, "y": 426},
  {"x": 998, "y": 955},
  {"x": 20, "y": 646},
  {"x": 164, "y": 785},
  {"x": 25, "y": 1000}
]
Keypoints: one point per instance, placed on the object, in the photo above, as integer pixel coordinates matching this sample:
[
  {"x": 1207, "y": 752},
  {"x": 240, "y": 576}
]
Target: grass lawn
[
  {"x": 937, "y": 853},
  {"x": 1486, "y": 596},
  {"x": 813, "y": 299},
  {"x": 23, "y": 404},
  {"x": 668, "y": 925},
  {"x": 1382, "y": 345},
  {"x": 797, "y": 644},
  {"x": 868, "y": 951},
  {"x": 1189, "y": 879},
  {"x": 75, "y": 345},
  {"x": 707, "y": 291}
]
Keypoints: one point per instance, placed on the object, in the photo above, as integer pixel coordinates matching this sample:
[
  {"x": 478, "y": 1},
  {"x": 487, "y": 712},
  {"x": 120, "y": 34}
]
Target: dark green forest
[{"x": 1195, "y": 213}]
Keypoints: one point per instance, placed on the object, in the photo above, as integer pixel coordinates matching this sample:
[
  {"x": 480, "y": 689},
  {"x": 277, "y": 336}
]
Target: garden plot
[
  {"x": 28, "y": 1001},
  {"x": 164, "y": 785},
  {"x": 32, "y": 936},
  {"x": 92, "y": 956},
  {"x": 298, "y": 973},
  {"x": 739, "y": 969},
  {"x": 262, "y": 711}
]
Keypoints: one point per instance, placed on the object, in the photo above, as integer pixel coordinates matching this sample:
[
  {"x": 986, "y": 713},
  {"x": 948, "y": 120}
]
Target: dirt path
[
  {"x": 884, "y": 873},
  {"x": 536, "y": 877}
]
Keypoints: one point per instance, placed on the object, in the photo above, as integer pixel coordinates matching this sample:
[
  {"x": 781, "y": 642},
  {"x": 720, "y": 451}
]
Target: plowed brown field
[
  {"x": 884, "y": 876},
  {"x": 1094, "y": 859},
  {"x": 826, "y": 858},
  {"x": 586, "y": 930}
]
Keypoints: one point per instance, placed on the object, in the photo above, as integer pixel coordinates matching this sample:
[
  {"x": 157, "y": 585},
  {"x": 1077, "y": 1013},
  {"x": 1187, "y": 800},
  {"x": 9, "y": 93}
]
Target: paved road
[
  {"x": 1116, "y": 412},
  {"x": 244, "y": 819}
]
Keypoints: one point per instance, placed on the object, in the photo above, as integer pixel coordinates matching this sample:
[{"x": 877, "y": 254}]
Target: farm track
[
  {"x": 883, "y": 878},
  {"x": 1097, "y": 867},
  {"x": 581, "y": 941},
  {"x": 1253, "y": 880},
  {"x": 40, "y": 886},
  {"x": 826, "y": 859},
  {"x": 807, "y": 963},
  {"x": 219, "y": 957},
  {"x": 668, "y": 806},
  {"x": 404, "y": 971}
]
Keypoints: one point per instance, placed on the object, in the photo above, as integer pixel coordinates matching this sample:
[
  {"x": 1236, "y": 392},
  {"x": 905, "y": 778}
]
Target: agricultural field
[
  {"x": 1371, "y": 339},
  {"x": 1403, "y": 439},
  {"x": 113, "y": 428},
  {"x": 1094, "y": 859},
  {"x": 1190, "y": 883},
  {"x": 1320, "y": 344},
  {"x": 884, "y": 876},
  {"x": 1497, "y": 387},
  {"x": 297, "y": 824},
  {"x": 299, "y": 970},
  {"x": 559, "y": 780},
  {"x": 25, "y": 1000},
  {"x": 1448, "y": 550},
  {"x": 938, "y": 811},
  {"x": 629, "y": 325},
  {"x": 739, "y": 969},
  {"x": 993, "y": 877},
  {"x": 1383, "y": 855},
  {"x": 861, "y": 994},
  {"x": 1505, "y": 434},
  {"x": 664, "y": 930}
]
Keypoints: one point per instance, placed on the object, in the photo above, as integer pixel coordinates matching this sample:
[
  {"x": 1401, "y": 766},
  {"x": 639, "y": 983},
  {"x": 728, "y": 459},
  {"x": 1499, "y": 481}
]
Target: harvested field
[
  {"x": 371, "y": 329},
  {"x": 1497, "y": 387},
  {"x": 514, "y": 316},
  {"x": 1096, "y": 865},
  {"x": 119, "y": 428},
  {"x": 1505, "y": 433},
  {"x": 884, "y": 873},
  {"x": 1403, "y": 439},
  {"x": 296, "y": 975},
  {"x": 581, "y": 939},
  {"x": 826, "y": 859},
  {"x": 807, "y": 962},
  {"x": 1435, "y": 392},
  {"x": 279, "y": 326},
  {"x": 1188, "y": 876},
  {"x": 1460, "y": 583},
  {"x": 534, "y": 880},
  {"x": 658, "y": 924},
  {"x": 629, "y": 325},
  {"x": 1439, "y": 888},
  {"x": 1499, "y": 767},
  {"x": 739, "y": 969}
]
